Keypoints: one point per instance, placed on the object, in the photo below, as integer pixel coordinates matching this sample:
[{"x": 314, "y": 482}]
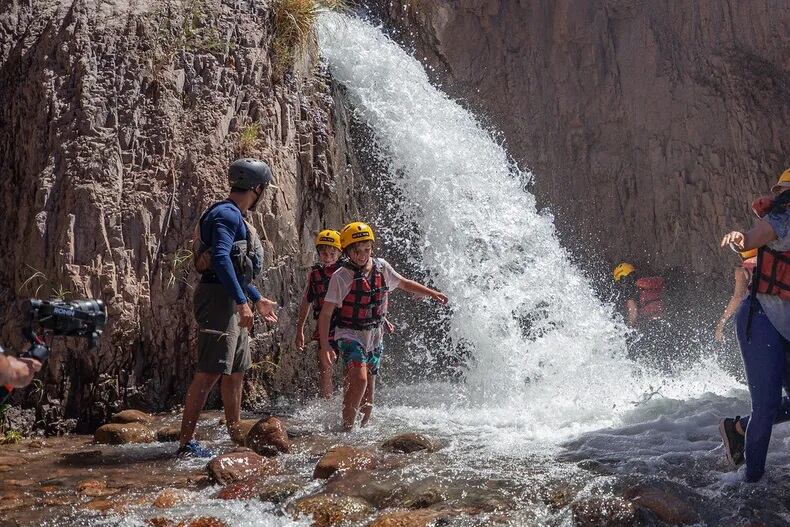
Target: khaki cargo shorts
[{"x": 222, "y": 346}]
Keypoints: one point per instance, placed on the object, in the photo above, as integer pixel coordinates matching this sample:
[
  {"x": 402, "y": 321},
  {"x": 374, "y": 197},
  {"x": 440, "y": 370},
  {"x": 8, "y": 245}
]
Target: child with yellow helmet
[
  {"x": 359, "y": 292},
  {"x": 327, "y": 244}
]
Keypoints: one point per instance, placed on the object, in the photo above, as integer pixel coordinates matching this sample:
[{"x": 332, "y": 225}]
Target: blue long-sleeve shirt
[{"x": 221, "y": 227}]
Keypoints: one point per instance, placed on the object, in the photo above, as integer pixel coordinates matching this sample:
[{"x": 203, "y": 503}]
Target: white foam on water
[{"x": 498, "y": 259}]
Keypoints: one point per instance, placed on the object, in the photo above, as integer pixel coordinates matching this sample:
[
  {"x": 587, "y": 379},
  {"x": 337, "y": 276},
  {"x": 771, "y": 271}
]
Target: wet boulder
[
  {"x": 268, "y": 437},
  {"x": 131, "y": 416},
  {"x": 120, "y": 434},
  {"x": 408, "y": 443},
  {"x": 343, "y": 458},
  {"x": 238, "y": 432},
  {"x": 238, "y": 466},
  {"x": 603, "y": 512},
  {"x": 328, "y": 510}
]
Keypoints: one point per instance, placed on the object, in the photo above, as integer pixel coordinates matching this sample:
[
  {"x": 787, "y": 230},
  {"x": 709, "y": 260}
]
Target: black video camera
[
  {"x": 78, "y": 318},
  {"x": 58, "y": 318}
]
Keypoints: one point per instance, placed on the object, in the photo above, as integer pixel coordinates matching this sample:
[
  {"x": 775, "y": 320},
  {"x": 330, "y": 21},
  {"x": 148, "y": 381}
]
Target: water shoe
[
  {"x": 194, "y": 449},
  {"x": 733, "y": 440}
]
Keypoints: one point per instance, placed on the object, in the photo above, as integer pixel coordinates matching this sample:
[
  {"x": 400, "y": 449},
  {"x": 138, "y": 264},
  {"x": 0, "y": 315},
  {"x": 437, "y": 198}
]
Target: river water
[{"x": 546, "y": 410}]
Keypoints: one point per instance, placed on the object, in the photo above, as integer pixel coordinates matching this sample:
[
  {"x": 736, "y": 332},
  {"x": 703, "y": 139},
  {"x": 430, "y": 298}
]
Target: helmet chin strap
[{"x": 257, "y": 198}]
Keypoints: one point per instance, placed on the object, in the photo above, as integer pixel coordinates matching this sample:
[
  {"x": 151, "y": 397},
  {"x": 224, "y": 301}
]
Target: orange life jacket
[
  {"x": 771, "y": 275},
  {"x": 363, "y": 306},
  {"x": 651, "y": 292}
]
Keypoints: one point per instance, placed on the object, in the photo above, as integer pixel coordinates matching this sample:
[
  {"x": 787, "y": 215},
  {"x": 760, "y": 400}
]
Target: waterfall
[{"x": 542, "y": 344}]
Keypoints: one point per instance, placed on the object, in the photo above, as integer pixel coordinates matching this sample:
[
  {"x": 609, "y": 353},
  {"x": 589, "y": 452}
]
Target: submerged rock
[
  {"x": 406, "y": 519},
  {"x": 603, "y": 511},
  {"x": 131, "y": 416},
  {"x": 408, "y": 443},
  {"x": 268, "y": 437},
  {"x": 279, "y": 491},
  {"x": 360, "y": 484},
  {"x": 329, "y": 510},
  {"x": 237, "y": 466},
  {"x": 240, "y": 490},
  {"x": 203, "y": 521},
  {"x": 120, "y": 434},
  {"x": 667, "y": 506},
  {"x": 343, "y": 458},
  {"x": 170, "y": 498}
]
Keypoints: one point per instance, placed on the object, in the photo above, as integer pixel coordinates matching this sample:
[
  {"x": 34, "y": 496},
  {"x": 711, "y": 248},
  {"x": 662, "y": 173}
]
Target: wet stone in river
[
  {"x": 269, "y": 437},
  {"x": 420, "y": 518},
  {"x": 344, "y": 458},
  {"x": 408, "y": 443},
  {"x": 237, "y": 466},
  {"x": 119, "y": 434},
  {"x": 131, "y": 416},
  {"x": 609, "y": 511},
  {"x": 329, "y": 510}
]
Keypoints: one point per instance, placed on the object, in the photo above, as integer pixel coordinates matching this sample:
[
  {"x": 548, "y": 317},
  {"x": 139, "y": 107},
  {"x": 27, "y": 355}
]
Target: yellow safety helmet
[
  {"x": 622, "y": 270},
  {"x": 355, "y": 232},
  {"x": 328, "y": 237},
  {"x": 783, "y": 183},
  {"x": 748, "y": 254}
]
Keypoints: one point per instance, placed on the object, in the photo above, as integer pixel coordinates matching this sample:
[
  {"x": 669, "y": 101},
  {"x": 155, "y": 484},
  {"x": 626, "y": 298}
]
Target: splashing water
[{"x": 548, "y": 356}]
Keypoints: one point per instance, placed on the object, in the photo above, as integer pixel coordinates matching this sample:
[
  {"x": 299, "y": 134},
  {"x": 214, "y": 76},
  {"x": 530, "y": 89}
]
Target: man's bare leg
[
  {"x": 230, "y": 389},
  {"x": 195, "y": 401}
]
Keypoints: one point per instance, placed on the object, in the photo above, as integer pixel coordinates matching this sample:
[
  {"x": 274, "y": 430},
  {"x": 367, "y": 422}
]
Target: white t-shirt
[{"x": 340, "y": 286}]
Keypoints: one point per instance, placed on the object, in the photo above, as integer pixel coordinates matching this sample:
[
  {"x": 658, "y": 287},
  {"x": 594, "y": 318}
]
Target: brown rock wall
[
  {"x": 117, "y": 123},
  {"x": 649, "y": 125}
]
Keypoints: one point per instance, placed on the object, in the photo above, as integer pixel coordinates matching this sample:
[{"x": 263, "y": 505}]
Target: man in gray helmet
[{"x": 228, "y": 254}]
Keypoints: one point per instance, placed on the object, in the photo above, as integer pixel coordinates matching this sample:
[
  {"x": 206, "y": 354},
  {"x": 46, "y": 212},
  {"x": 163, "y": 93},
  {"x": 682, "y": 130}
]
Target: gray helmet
[{"x": 249, "y": 173}]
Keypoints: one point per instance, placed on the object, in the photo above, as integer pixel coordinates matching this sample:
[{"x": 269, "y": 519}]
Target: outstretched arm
[
  {"x": 761, "y": 234},
  {"x": 416, "y": 288}
]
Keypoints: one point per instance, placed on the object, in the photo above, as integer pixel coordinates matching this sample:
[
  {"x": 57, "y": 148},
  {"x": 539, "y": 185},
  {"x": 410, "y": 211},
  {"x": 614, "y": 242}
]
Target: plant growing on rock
[
  {"x": 249, "y": 138},
  {"x": 293, "y": 23}
]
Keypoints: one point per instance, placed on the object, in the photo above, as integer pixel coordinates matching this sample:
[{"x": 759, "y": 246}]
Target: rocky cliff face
[
  {"x": 118, "y": 121},
  {"x": 649, "y": 125}
]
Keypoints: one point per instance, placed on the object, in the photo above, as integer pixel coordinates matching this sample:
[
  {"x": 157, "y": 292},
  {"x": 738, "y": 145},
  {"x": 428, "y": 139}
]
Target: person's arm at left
[{"x": 17, "y": 372}]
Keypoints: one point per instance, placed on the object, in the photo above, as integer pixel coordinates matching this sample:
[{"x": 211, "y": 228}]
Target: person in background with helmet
[
  {"x": 763, "y": 331},
  {"x": 327, "y": 244},
  {"x": 742, "y": 276},
  {"x": 641, "y": 299},
  {"x": 627, "y": 295},
  {"x": 359, "y": 289},
  {"x": 228, "y": 254}
]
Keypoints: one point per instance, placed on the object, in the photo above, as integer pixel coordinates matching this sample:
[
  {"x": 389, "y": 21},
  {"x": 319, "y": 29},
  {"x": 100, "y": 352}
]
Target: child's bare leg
[
  {"x": 367, "y": 399},
  {"x": 356, "y": 381},
  {"x": 325, "y": 376}
]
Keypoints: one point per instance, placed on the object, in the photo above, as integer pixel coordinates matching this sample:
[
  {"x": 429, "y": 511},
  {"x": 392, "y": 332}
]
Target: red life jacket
[
  {"x": 363, "y": 306},
  {"x": 318, "y": 284},
  {"x": 651, "y": 292},
  {"x": 771, "y": 274}
]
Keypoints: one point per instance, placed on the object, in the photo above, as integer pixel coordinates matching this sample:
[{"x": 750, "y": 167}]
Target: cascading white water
[{"x": 490, "y": 250}]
